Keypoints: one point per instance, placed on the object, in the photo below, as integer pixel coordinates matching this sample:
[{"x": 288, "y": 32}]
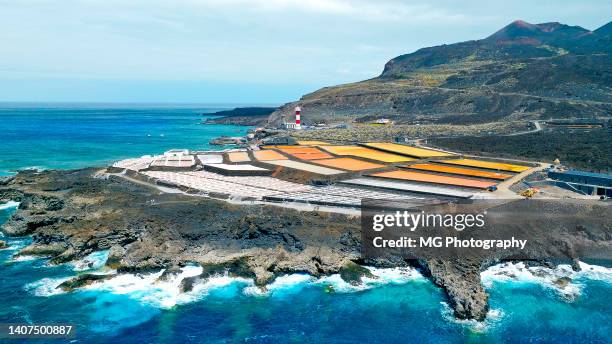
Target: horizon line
[{"x": 160, "y": 103}]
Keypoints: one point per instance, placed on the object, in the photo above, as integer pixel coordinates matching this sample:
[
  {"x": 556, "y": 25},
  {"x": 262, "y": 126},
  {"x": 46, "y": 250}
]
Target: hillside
[
  {"x": 523, "y": 71},
  {"x": 587, "y": 150}
]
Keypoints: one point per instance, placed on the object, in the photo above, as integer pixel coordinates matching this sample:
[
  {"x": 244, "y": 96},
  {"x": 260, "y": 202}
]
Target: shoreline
[
  {"x": 167, "y": 291},
  {"x": 71, "y": 214}
]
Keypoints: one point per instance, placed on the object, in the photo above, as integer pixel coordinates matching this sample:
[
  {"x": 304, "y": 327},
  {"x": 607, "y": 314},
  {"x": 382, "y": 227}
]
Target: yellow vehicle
[{"x": 529, "y": 192}]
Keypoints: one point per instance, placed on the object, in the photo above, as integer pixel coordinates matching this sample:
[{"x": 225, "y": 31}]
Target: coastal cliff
[{"x": 70, "y": 214}]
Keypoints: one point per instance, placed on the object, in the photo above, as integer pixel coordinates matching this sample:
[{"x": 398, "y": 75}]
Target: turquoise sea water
[
  {"x": 73, "y": 136},
  {"x": 399, "y": 307}
]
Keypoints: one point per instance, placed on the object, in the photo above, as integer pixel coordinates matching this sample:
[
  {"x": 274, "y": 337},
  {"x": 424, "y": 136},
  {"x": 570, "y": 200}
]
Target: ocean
[
  {"x": 73, "y": 136},
  {"x": 397, "y": 307}
]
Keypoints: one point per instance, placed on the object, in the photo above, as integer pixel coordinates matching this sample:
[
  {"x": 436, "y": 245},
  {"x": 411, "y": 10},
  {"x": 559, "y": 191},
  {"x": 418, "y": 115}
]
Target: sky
[{"x": 235, "y": 51}]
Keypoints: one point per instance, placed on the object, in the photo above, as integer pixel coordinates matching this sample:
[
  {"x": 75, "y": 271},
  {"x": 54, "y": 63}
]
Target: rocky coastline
[{"x": 70, "y": 214}]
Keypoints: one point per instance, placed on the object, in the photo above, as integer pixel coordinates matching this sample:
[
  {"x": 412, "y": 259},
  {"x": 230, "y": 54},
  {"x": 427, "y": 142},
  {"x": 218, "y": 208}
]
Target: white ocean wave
[
  {"x": 14, "y": 246},
  {"x": 562, "y": 279},
  {"x": 152, "y": 289},
  {"x": 595, "y": 272},
  {"x": 398, "y": 275},
  {"x": 9, "y": 205},
  {"x": 294, "y": 282},
  {"x": 336, "y": 284},
  {"x": 149, "y": 288},
  {"x": 17, "y": 244},
  {"x": 493, "y": 317},
  {"x": 382, "y": 276},
  {"x": 37, "y": 169},
  {"x": 218, "y": 282},
  {"x": 281, "y": 285},
  {"x": 166, "y": 293},
  {"x": 93, "y": 261},
  {"x": 163, "y": 292},
  {"x": 289, "y": 281},
  {"x": 46, "y": 286},
  {"x": 24, "y": 258}
]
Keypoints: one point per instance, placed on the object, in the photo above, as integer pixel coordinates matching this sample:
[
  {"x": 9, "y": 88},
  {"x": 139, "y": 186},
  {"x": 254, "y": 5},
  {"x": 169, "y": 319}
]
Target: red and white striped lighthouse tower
[{"x": 298, "y": 122}]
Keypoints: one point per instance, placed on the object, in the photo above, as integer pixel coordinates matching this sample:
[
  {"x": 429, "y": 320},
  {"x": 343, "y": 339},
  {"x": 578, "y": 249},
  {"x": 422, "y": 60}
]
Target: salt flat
[
  {"x": 305, "y": 167},
  {"x": 410, "y": 187}
]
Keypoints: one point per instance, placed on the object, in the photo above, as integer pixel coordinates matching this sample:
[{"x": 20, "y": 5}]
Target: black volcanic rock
[
  {"x": 253, "y": 241},
  {"x": 527, "y": 71},
  {"x": 82, "y": 281}
]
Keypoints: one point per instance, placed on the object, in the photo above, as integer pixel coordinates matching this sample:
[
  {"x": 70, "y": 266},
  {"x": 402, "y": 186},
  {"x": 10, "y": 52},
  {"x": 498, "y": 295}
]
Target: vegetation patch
[{"x": 581, "y": 149}]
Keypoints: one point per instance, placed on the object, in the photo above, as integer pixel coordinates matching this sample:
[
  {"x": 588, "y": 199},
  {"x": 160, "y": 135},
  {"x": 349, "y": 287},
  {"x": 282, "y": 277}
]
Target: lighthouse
[{"x": 298, "y": 121}]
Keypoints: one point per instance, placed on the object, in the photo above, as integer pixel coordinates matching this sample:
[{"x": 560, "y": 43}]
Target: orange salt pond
[
  {"x": 306, "y": 153},
  {"x": 407, "y": 150},
  {"x": 367, "y": 153},
  {"x": 238, "y": 157},
  {"x": 266, "y": 155},
  {"x": 434, "y": 178},
  {"x": 487, "y": 164},
  {"x": 459, "y": 170},
  {"x": 348, "y": 164}
]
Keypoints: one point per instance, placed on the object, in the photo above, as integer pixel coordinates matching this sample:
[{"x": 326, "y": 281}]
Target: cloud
[
  {"x": 382, "y": 10},
  {"x": 320, "y": 42}
]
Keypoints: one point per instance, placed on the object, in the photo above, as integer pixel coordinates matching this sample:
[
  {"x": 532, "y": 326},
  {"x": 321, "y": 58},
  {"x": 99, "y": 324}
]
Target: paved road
[
  {"x": 503, "y": 188},
  {"x": 538, "y": 127}
]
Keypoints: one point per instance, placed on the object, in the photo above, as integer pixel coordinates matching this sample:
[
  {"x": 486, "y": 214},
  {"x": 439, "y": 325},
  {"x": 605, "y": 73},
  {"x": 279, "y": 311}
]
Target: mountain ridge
[{"x": 521, "y": 72}]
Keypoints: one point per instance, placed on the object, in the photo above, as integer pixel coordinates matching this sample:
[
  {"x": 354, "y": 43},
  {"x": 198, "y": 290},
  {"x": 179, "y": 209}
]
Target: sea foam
[
  {"x": 562, "y": 279},
  {"x": 148, "y": 288},
  {"x": 493, "y": 317},
  {"x": 9, "y": 205},
  {"x": 286, "y": 284},
  {"x": 160, "y": 291},
  {"x": 595, "y": 272},
  {"x": 24, "y": 258},
  {"x": 397, "y": 275},
  {"x": 165, "y": 292},
  {"x": 46, "y": 286},
  {"x": 17, "y": 244},
  {"x": 292, "y": 283},
  {"x": 93, "y": 261},
  {"x": 382, "y": 276},
  {"x": 157, "y": 290}
]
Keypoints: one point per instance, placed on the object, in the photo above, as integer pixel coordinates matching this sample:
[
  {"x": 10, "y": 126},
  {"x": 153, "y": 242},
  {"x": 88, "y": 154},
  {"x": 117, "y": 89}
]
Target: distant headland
[{"x": 251, "y": 116}]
